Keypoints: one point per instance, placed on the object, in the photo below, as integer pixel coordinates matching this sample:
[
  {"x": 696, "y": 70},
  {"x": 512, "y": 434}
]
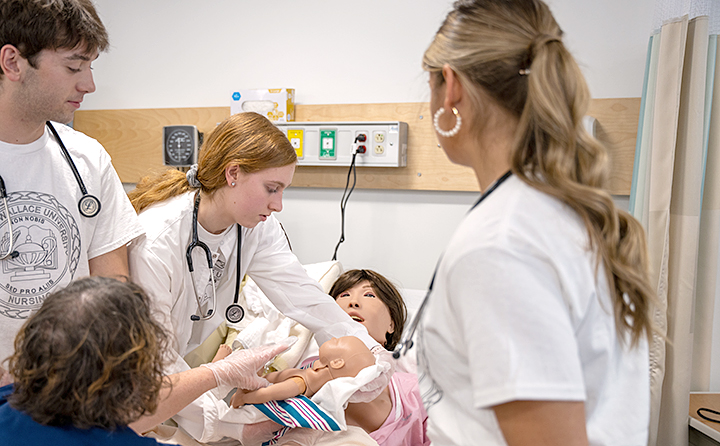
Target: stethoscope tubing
[
  {"x": 88, "y": 205},
  {"x": 69, "y": 160},
  {"x": 406, "y": 341},
  {"x": 3, "y": 195},
  {"x": 234, "y": 312}
]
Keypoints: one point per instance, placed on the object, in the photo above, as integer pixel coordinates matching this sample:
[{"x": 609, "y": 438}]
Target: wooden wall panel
[
  {"x": 134, "y": 140},
  {"x": 133, "y": 137}
]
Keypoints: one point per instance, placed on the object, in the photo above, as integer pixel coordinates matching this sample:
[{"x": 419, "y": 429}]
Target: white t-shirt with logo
[
  {"x": 519, "y": 311},
  {"x": 53, "y": 240}
]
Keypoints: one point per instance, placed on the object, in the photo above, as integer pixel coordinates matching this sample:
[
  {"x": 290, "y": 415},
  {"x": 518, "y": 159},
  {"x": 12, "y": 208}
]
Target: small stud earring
[{"x": 232, "y": 184}]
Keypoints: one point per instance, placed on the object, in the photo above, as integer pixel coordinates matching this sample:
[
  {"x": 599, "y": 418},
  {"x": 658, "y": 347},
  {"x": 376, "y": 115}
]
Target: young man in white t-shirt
[{"x": 46, "y": 52}]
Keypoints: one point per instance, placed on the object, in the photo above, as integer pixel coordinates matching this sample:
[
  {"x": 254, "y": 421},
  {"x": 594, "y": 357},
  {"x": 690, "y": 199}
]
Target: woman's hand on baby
[{"x": 240, "y": 368}]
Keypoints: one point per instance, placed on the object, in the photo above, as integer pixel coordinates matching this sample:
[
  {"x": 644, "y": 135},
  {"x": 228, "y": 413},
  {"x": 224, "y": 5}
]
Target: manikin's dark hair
[{"x": 385, "y": 291}]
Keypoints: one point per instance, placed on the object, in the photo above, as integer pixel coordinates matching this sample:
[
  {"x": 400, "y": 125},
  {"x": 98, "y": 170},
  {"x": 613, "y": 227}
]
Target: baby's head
[
  {"x": 338, "y": 358},
  {"x": 372, "y": 300}
]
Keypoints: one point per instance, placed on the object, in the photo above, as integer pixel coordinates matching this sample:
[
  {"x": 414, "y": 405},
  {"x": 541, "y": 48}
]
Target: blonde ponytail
[{"x": 513, "y": 51}]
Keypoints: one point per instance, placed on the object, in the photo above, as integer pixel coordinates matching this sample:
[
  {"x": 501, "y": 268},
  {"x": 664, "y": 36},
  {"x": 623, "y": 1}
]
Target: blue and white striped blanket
[{"x": 298, "y": 411}]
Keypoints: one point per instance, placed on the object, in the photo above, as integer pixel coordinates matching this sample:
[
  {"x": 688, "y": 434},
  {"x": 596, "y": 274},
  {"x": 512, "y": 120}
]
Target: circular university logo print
[{"x": 47, "y": 241}]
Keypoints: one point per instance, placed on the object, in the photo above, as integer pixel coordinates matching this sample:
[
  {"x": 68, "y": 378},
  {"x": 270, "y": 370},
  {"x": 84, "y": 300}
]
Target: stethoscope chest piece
[
  {"x": 89, "y": 206},
  {"x": 234, "y": 313}
]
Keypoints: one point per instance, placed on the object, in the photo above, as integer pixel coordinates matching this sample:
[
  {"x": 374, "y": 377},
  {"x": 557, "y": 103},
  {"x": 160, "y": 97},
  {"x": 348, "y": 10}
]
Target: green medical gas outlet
[{"x": 327, "y": 144}]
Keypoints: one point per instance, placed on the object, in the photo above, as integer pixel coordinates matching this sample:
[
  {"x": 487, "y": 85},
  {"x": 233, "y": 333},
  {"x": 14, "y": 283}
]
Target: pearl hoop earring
[{"x": 447, "y": 133}]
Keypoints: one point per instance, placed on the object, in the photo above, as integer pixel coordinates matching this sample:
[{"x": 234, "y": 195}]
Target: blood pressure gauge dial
[{"x": 180, "y": 145}]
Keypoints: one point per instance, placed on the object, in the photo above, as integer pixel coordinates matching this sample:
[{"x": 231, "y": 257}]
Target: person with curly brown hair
[{"x": 88, "y": 366}]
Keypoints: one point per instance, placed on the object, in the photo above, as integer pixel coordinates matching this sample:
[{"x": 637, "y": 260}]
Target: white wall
[{"x": 185, "y": 53}]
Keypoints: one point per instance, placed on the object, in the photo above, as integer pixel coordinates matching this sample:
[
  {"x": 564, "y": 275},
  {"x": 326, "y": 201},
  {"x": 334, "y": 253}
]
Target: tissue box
[{"x": 276, "y": 104}]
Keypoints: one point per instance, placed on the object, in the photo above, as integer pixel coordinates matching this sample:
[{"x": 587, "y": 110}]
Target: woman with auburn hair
[
  {"x": 88, "y": 364},
  {"x": 207, "y": 229},
  {"x": 536, "y": 330}
]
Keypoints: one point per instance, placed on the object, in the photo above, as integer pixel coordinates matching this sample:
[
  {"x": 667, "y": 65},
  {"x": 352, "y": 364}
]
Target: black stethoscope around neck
[
  {"x": 88, "y": 205},
  {"x": 406, "y": 342},
  {"x": 234, "y": 312}
]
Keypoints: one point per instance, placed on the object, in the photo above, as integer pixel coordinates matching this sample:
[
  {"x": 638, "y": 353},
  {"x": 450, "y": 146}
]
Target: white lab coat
[{"x": 158, "y": 263}]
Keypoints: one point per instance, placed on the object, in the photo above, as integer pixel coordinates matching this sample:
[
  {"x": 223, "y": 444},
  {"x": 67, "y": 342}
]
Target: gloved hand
[
  {"x": 259, "y": 433},
  {"x": 240, "y": 368},
  {"x": 374, "y": 388}
]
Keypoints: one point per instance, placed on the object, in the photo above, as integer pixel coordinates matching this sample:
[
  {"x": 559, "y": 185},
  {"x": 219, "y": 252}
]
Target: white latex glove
[
  {"x": 259, "y": 433},
  {"x": 374, "y": 388},
  {"x": 240, "y": 368}
]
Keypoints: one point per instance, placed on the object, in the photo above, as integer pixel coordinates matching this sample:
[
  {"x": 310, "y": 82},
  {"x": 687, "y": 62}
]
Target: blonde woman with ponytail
[
  {"x": 244, "y": 166},
  {"x": 536, "y": 331}
]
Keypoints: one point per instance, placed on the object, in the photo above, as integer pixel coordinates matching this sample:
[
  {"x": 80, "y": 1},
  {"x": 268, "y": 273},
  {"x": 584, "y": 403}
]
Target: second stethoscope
[
  {"x": 234, "y": 312},
  {"x": 88, "y": 205},
  {"x": 406, "y": 342}
]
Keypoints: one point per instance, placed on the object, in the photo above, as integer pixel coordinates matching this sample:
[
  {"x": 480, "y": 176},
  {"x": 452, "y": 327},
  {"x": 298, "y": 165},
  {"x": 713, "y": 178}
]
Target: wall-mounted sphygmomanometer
[{"x": 180, "y": 145}]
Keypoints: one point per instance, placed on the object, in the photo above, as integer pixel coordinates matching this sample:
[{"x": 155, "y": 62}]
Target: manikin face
[
  {"x": 362, "y": 304},
  {"x": 55, "y": 89},
  {"x": 257, "y": 195},
  {"x": 338, "y": 357}
]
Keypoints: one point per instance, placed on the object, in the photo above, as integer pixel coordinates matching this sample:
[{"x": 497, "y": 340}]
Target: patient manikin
[
  {"x": 339, "y": 357},
  {"x": 396, "y": 417}
]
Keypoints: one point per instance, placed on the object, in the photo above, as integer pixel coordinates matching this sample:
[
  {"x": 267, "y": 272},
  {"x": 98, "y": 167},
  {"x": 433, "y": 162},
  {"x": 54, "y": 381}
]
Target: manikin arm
[
  {"x": 279, "y": 391},
  {"x": 282, "y": 375}
]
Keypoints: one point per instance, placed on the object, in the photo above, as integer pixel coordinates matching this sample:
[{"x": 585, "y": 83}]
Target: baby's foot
[{"x": 223, "y": 351}]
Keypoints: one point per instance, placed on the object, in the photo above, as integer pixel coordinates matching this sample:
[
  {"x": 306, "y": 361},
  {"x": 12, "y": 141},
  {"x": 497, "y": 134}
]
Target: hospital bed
[{"x": 264, "y": 324}]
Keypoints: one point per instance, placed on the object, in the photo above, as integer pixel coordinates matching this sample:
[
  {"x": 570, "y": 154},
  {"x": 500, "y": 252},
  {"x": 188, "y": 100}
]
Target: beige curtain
[{"x": 670, "y": 187}]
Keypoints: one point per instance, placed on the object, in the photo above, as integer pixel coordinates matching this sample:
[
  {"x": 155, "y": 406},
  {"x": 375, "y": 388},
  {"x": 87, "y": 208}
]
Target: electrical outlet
[
  {"x": 333, "y": 143},
  {"x": 360, "y": 140}
]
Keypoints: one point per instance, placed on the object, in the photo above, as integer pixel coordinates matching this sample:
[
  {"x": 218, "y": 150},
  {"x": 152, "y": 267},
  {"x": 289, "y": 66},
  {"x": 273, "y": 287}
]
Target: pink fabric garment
[{"x": 407, "y": 423}]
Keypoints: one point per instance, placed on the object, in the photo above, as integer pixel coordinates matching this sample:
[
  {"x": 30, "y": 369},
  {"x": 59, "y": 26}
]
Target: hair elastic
[{"x": 191, "y": 176}]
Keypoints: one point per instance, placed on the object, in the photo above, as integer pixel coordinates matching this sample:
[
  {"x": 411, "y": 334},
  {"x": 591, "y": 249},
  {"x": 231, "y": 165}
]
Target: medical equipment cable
[
  {"x": 344, "y": 199},
  {"x": 406, "y": 341},
  {"x": 715, "y": 412}
]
